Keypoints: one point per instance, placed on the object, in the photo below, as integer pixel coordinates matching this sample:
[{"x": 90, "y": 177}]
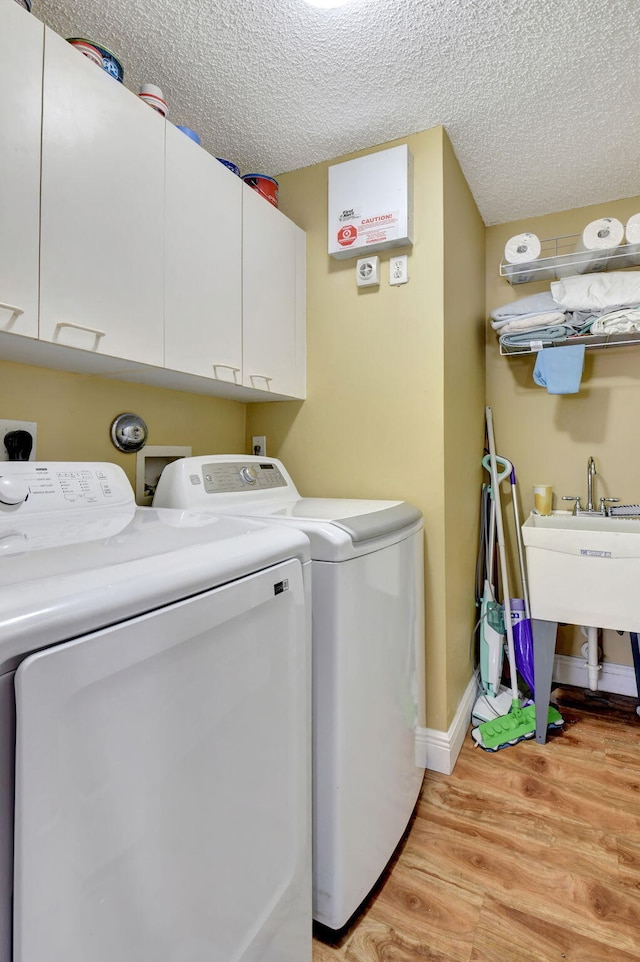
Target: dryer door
[{"x": 162, "y": 785}]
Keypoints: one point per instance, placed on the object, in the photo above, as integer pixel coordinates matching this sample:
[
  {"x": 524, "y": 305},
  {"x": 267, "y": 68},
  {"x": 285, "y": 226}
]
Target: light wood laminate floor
[{"x": 529, "y": 854}]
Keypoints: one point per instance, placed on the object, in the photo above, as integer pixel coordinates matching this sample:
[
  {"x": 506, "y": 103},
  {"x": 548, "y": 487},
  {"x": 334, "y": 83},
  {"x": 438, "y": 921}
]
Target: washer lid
[
  {"x": 363, "y": 527},
  {"x": 362, "y": 520},
  {"x": 341, "y": 528},
  {"x": 74, "y": 545}
]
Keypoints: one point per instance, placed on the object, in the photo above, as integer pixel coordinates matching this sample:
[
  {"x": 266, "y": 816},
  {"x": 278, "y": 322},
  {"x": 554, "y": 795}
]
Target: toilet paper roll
[
  {"x": 632, "y": 230},
  {"x": 522, "y": 248},
  {"x": 630, "y": 256},
  {"x": 604, "y": 234}
]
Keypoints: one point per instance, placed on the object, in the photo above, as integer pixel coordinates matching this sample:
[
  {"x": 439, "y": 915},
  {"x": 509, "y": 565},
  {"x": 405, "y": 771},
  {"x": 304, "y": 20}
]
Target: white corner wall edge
[
  {"x": 437, "y": 750},
  {"x": 572, "y": 670}
]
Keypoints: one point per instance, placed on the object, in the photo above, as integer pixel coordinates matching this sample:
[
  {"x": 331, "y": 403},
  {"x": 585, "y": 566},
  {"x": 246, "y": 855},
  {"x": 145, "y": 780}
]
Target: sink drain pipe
[{"x": 592, "y": 653}]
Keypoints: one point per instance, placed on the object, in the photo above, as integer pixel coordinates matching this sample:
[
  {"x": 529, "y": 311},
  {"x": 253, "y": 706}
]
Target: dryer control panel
[
  {"x": 224, "y": 482},
  {"x": 226, "y": 477}
]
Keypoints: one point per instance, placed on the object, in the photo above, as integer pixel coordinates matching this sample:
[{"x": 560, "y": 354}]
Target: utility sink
[{"x": 584, "y": 570}]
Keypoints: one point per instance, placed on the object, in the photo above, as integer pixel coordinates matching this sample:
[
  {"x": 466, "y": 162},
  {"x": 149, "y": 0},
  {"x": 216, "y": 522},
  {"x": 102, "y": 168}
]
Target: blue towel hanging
[{"x": 559, "y": 369}]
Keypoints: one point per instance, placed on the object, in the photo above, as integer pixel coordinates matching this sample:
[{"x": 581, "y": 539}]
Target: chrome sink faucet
[
  {"x": 591, "y": 471},
  {"x": 590, "y": 507}
]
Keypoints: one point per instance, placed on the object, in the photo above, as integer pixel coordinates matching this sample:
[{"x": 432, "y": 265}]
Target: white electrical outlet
[
  {"x": 399, "y": 269},
  {"x": 7, "y": 426},
  {"x": 259, "y": 445}
]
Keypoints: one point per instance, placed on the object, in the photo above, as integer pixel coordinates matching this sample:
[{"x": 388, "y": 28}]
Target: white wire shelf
[
  {"x": 559, "y": 258},
  {"x": 590, "y": 341}
]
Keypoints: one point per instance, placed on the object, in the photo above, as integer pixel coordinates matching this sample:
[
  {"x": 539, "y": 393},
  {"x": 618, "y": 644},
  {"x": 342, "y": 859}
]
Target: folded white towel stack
[
  {"x": 618, "y": 322},
  {"x": 533, "y": 304},
  {"x": 597, "y": 292},
  {"x": 528, "y": 322}
]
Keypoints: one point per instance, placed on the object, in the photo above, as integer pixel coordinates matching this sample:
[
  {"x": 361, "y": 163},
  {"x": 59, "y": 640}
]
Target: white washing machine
[
  {"x": 368, "y": 671},
  {"x": 155, "y": 681}
]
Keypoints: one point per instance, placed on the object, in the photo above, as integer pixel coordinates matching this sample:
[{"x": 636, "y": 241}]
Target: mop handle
[
  {"x": 511, "y": 651},
  {"x": 507, "y": 468}
]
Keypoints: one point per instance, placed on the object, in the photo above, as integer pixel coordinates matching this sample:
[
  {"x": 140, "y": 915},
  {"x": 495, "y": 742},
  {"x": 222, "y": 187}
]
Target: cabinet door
[
  {"x": 203, "y": 262},
  {"x": 102, "y": 211},
  {"x": 273, "y": 299},
  {"x": 21, "y": 40}
]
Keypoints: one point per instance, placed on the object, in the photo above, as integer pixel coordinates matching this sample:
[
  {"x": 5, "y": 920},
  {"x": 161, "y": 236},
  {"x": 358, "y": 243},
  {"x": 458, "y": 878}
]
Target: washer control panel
[
  {"x": 32, "y": 487},
  {"x": 227, "y": 477}
]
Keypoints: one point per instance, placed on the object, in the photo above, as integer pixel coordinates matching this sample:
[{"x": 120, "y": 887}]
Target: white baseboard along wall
[
  {"x": 438, "y": 751},
  {"x": 572, "y": 670}
]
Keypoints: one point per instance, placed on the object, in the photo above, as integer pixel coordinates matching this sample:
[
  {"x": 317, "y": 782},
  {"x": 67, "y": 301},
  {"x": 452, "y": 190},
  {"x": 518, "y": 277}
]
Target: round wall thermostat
[{"x": 129, "y": 432}]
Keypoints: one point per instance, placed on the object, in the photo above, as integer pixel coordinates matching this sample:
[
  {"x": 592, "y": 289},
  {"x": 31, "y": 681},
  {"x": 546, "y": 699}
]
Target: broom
[{"x": 519, "y": 723}]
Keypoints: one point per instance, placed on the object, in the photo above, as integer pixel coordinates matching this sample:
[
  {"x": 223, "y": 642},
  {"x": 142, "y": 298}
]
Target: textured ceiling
[{"x": 541, "y": 100}]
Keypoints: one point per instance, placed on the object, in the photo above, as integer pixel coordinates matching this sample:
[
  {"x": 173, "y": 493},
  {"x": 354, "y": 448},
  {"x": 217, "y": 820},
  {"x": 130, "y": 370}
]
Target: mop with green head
[{"x": 519, "y": 723}]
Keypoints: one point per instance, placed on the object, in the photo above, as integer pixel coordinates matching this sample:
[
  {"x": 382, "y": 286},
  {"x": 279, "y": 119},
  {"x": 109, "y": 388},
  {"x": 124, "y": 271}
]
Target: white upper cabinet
[
  {"x": 21, "y": 42},
  {"x": 203, "y": 263},
  {"x": 102, "y": 230},
  {"x": 273, "y": 299},
  {"x": 125, "y": 248}
]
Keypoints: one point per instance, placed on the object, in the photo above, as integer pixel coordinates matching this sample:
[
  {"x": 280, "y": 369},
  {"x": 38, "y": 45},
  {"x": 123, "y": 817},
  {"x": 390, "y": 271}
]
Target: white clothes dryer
[
  {"x": 155, "y": 681},
  {"x": 368, "y": 669}
]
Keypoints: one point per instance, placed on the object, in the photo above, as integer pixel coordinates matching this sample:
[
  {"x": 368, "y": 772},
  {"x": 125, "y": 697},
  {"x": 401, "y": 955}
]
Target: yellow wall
[
  {"x": 382, "y": 363},
  {"x": 74, "y": 413},
  {"x": 550, "y": 438}
]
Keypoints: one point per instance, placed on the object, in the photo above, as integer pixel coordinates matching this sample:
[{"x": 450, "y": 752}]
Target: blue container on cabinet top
[{"x": 111, "y": 63}]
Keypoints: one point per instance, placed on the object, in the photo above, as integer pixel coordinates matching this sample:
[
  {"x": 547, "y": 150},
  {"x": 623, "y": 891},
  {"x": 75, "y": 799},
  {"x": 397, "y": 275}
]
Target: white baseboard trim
[
  {"x": 572, "y": 670},
  {"x": 437, "y": 750}
]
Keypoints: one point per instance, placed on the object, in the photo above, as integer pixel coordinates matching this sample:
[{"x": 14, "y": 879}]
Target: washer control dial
[
  {"x": 249, "y": 475},
  {"x": 13, "y": 490}
]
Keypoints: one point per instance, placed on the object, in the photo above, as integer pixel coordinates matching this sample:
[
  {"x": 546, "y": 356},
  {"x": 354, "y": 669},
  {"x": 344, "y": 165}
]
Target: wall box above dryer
[
  {"x": 150, "y": 463},
  {"x": 370, "y": 203}
]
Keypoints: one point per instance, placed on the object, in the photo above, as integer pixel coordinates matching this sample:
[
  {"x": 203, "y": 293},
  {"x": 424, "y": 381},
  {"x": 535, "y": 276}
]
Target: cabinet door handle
[
  {"x": 79, "y": 327},
  {"x": 260, "y": 377},
  {"x": 228, "y": 367},
  {"x": 13, "y": 317}
]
